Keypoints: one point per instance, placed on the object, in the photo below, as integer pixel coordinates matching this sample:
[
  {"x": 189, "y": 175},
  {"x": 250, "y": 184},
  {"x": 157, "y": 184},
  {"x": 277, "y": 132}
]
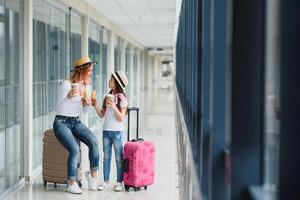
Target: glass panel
[
  {"x": 2, "y": 7},
  {"x": 75, "y": 36},
  {"x": 2, "y": 108},
  {"x": 104, "y": 63},
  {"x": 50, "y": 66},
  {"x": 11, "y": 145},
  {"x": 272, "y": 99},
  {"x": 135, "y": 66},
  {"x": 95, "y": 41},
  {"x": 12, "y": 122},
  {"x": 128, "y": 61},
  {"x": 117, "y": 53}
]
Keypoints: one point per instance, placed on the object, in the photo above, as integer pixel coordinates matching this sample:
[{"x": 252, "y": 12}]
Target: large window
[
  {"x": 135, "y": 74},
  {"x": 11, "y": 142},
  {"x": 104, "y": 62},
  {"x": 95, "y": 47},
  {"x": 51, "y": 64},
  {"x": 75, "y": 36},
  {"x": 117, "y": 49}
]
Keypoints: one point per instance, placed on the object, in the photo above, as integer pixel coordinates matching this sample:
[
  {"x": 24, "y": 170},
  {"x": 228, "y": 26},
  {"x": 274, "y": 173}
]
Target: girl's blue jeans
[{"x": 116, "y": 139}]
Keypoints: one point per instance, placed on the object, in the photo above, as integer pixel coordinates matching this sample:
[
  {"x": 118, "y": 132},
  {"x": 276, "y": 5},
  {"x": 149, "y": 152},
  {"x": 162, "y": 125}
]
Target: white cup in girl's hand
[{"x": 108, "y": 97}]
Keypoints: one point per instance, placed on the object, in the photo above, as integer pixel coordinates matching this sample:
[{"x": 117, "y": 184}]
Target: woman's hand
[
  {"x": 86, "y": 102},
  {"x": 73, "y": 92}
]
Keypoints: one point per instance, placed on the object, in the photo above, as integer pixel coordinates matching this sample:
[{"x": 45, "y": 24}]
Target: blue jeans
[
  {"x": 65, "y": 130},
  {"x": 115, "y": 138}
]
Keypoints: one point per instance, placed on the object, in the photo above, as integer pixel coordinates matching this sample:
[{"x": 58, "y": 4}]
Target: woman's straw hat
[
  {"x": 83, "y": 62},
  {"x": 121, "y": 78}
]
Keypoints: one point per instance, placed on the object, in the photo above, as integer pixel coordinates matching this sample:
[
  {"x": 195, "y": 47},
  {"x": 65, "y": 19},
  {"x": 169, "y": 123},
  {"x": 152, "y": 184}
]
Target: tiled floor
[{"x": 157, "y": 125}]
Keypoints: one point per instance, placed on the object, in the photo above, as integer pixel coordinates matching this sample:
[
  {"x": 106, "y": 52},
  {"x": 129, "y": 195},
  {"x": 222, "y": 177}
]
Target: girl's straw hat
[{"x": 121, "y": 78}]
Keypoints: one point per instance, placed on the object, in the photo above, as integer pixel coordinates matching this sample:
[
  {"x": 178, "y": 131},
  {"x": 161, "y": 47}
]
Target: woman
[
  {"x": 113, "y": 111},
  {"x": 74, "y": 97}
]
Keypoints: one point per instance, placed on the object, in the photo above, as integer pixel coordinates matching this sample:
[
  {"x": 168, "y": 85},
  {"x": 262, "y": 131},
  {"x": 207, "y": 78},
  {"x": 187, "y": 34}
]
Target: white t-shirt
[
  {"x": 70, "y": 107},
  {"x": 110, "y": 122}
]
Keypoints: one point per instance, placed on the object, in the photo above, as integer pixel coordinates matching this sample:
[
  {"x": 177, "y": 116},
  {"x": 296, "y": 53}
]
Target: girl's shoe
[
  {"x": 103, "y": 187},
  {"x": 74, "y": 189},
  {"x": 92, "y": 183},
  {"x": 119, "y": 187}
]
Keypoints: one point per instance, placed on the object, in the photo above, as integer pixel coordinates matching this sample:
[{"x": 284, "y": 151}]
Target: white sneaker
[
  {"x": 92, "y": 183},
  {"x": 74, "y": 189},
  {"x": 119, "y": 187},
  {"x": 103, "y": 186}
]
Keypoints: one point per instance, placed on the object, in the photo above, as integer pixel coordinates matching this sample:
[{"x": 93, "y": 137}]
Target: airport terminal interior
[{"x": 215, "y": 82}]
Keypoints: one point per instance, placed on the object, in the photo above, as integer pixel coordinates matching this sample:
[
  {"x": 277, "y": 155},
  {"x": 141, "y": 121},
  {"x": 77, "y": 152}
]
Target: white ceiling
[{"x": 150, "y": 22}]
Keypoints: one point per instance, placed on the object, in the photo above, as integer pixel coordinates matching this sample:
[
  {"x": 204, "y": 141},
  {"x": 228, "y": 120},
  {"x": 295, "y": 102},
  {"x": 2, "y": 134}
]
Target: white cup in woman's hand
[{"x": 75, "y": 87}]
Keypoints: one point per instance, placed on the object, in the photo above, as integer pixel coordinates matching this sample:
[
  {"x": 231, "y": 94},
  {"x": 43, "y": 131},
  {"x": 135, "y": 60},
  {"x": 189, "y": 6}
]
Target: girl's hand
[
  {"x": 112, "y": 104},
  {"x": 94, "y": 102}
]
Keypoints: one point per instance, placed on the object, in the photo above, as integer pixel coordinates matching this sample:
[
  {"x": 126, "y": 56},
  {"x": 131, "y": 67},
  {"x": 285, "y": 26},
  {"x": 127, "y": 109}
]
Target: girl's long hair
[
  {"x": 117, "y": 91},
  {"x": 81, "y": 74}
]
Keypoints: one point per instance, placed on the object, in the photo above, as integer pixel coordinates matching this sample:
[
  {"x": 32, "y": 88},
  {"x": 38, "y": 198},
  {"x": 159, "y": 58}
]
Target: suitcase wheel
[
  {"x": 55, "y": 185},
  {"x": 145, "y": 187},
  {"x": 126, "y": 188},
  {"x": 136, "y": 189},
  {"x": 45, "y": 183}
]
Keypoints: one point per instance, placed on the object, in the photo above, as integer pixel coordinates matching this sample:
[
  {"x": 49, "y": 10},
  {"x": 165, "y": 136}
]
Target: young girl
[{"x": 114, "y": 111}]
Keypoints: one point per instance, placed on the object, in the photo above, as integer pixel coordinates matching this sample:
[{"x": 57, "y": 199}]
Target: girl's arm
[
  {"x": 99, "y": 111},
  {"x": 120, "y": 115}
]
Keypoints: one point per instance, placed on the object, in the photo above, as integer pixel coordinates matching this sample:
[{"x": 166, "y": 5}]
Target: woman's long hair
[
  {"x": 81, "y": 74},
  {"x": 117, "y": 91}
]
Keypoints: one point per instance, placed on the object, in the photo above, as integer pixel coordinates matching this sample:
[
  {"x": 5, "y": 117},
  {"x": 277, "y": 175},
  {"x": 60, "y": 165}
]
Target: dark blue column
[
  {"x": 219, "y": 65},
  {"x": 247, "y": 95},
  {"x": 205, "y": 95},
  {"x": 289, "y": 179}
]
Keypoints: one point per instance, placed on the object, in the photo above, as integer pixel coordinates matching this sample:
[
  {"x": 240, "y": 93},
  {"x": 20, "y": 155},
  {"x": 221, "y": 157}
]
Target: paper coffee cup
[
  {"x": 76, "y": 86},
  {"x": 108, "y": 97},
  {"x": 85, "y": 94}
]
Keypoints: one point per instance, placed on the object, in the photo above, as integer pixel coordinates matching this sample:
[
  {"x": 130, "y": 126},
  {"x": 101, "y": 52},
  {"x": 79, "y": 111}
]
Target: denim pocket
[
  {"x": 59, "y": 120},
  {"x": 118, "y": 135}
]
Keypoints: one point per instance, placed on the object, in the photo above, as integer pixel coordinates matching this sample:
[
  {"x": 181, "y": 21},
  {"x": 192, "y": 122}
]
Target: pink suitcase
[{"x": 138, "y": 160}]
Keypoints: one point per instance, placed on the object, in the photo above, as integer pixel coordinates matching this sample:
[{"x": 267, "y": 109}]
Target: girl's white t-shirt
[
  {"x": 70, "y": 107},
  {"x": 110, "y": 122}
]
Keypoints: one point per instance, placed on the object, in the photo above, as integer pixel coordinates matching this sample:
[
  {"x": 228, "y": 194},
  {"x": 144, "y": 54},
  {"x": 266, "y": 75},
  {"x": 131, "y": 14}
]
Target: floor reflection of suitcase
[
  {"x": 138, "y": 160},
  {"x": 55, "y": 158}
]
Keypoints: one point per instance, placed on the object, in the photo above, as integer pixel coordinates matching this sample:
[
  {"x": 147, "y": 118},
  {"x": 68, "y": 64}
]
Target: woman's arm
[{"x": 99, "y": 111}]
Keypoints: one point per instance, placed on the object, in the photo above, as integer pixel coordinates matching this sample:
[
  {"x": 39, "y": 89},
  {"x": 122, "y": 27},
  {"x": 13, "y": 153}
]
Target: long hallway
[{"x": 157, "y": 125}]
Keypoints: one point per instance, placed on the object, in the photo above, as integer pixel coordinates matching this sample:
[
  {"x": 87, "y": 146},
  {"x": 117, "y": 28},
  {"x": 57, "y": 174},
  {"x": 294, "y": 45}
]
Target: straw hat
[
  {"x": 83, "y": 62},
  {"x": 121, "y": 78}
]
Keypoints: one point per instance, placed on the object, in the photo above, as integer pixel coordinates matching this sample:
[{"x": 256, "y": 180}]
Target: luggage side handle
[{"x": 126, "y": 165}]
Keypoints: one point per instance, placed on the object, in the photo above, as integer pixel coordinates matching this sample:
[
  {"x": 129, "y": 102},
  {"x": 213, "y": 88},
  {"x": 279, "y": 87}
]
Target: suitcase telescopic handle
[{"x": 137, "y": 120}]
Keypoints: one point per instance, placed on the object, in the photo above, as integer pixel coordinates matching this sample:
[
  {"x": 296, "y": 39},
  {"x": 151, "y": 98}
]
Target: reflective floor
[{"x": 157, "y": 125}]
